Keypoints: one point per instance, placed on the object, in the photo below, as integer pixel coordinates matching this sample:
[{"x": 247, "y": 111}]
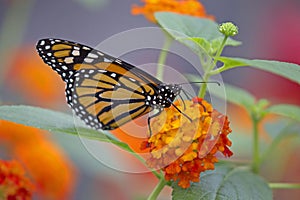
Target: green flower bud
[{"x": 228, "y": 29}]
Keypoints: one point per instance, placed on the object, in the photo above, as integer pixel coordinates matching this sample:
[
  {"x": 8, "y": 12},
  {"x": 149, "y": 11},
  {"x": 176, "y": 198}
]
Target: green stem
[
  {"x": 256, "y": 159},
  {"x": 203, "y": 87},
  {"x": 161, "y": 184},
  {"x": 162, "y": 57},
  {"x": 284, "y": 185},
  {"x": 14, "y": 24},
  {"x": 218, "y": 71},
  {"x": 220, "y": 50},
  {"x": 209, "y": 69}
]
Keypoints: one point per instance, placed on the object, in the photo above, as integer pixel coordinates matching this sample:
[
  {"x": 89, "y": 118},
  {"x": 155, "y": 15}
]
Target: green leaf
[
  {"x": 55, "y": 122},
  {"x": 228, "y": 92},
  {"x": 286, "y": 110},
  {"x": 186, "y": 28},
  {"x": 197, "y": 45},
  {"x": 279, "y": 132},
  {"x": 226, "y": 182},
  {"x": 234, "y": 95},
  {"x": 290, "y": 71},
  {"x": 216, "y": 43}
]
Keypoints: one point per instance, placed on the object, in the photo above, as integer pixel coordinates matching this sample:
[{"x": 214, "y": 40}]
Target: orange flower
[
  {"x": 13, "y": 183},
  {"x": 51, "y": 171},
  {"x": 35, "y": 82},
  {"x": 187, "y": 7},
  {"x": 184, "y": 149}
]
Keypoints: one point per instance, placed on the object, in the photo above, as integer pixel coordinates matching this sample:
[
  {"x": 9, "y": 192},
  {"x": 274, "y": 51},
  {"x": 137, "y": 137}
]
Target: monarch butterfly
[{"x": 105, "y": 92}]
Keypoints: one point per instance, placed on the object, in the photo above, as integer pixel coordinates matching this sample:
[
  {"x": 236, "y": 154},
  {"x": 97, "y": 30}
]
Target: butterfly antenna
[{"x": 216, "y": 82}]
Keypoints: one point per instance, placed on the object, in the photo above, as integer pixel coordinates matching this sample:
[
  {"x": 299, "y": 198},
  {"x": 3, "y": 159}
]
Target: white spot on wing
[
  {"x": 100, "y": 53},
  {"x": 92, "y": 55},
  {"x": 113, "y": 75},
  {"x": 88, "y": 60},
  {"x": 118, "y": 61},
  {"x": 75, "y": 53},
  {"x": 64, "y": 67},
  {"x": 69, "y": 60},
  {"x": 42, "y": 42},
  {"x": 86, "y": 48}
]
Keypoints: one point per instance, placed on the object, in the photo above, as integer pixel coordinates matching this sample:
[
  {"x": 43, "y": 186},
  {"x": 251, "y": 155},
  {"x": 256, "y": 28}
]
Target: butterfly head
[{"x": 165, "y": 95}]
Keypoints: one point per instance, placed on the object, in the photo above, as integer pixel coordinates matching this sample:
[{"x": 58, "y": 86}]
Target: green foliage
[
  {"x": 55, "y": 122},
  {"x": 224, "y": 183},
  {"x": 228, "y": 93},
  {"x": 202, "y": 35},
  {"x": 286, "y": 110},
  {"x": 282, "y": 132},
  {"x": 243, "y": 98},
  {"x": 199, "y": 34},
  {"x": 287, "y": 70}
]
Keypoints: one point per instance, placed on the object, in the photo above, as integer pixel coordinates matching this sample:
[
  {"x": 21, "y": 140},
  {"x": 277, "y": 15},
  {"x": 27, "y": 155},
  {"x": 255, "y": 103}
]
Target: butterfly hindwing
[{"x": 112, "y": 101}]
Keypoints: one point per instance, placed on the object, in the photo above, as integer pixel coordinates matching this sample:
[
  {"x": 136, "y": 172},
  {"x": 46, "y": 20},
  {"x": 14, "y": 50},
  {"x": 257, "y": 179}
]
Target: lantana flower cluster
[
  {"x": 13, "y": 183},
  {"x": 187, "y": 7},
  {"x": 183, "y": 148}
]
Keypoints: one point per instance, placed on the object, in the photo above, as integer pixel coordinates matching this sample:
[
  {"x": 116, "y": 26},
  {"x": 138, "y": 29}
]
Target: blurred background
[{"x": 59, "y": 164}]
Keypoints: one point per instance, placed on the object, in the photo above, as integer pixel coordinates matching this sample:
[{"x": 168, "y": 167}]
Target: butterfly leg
[
  {"x": 149, "y": 120},
  {"x": 184, "y": 107},
  {"x": 179, "y": 110}
]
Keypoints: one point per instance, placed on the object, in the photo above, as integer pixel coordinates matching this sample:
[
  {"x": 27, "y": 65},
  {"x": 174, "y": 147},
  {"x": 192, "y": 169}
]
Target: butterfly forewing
[{"x": 103, "y": 91}]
